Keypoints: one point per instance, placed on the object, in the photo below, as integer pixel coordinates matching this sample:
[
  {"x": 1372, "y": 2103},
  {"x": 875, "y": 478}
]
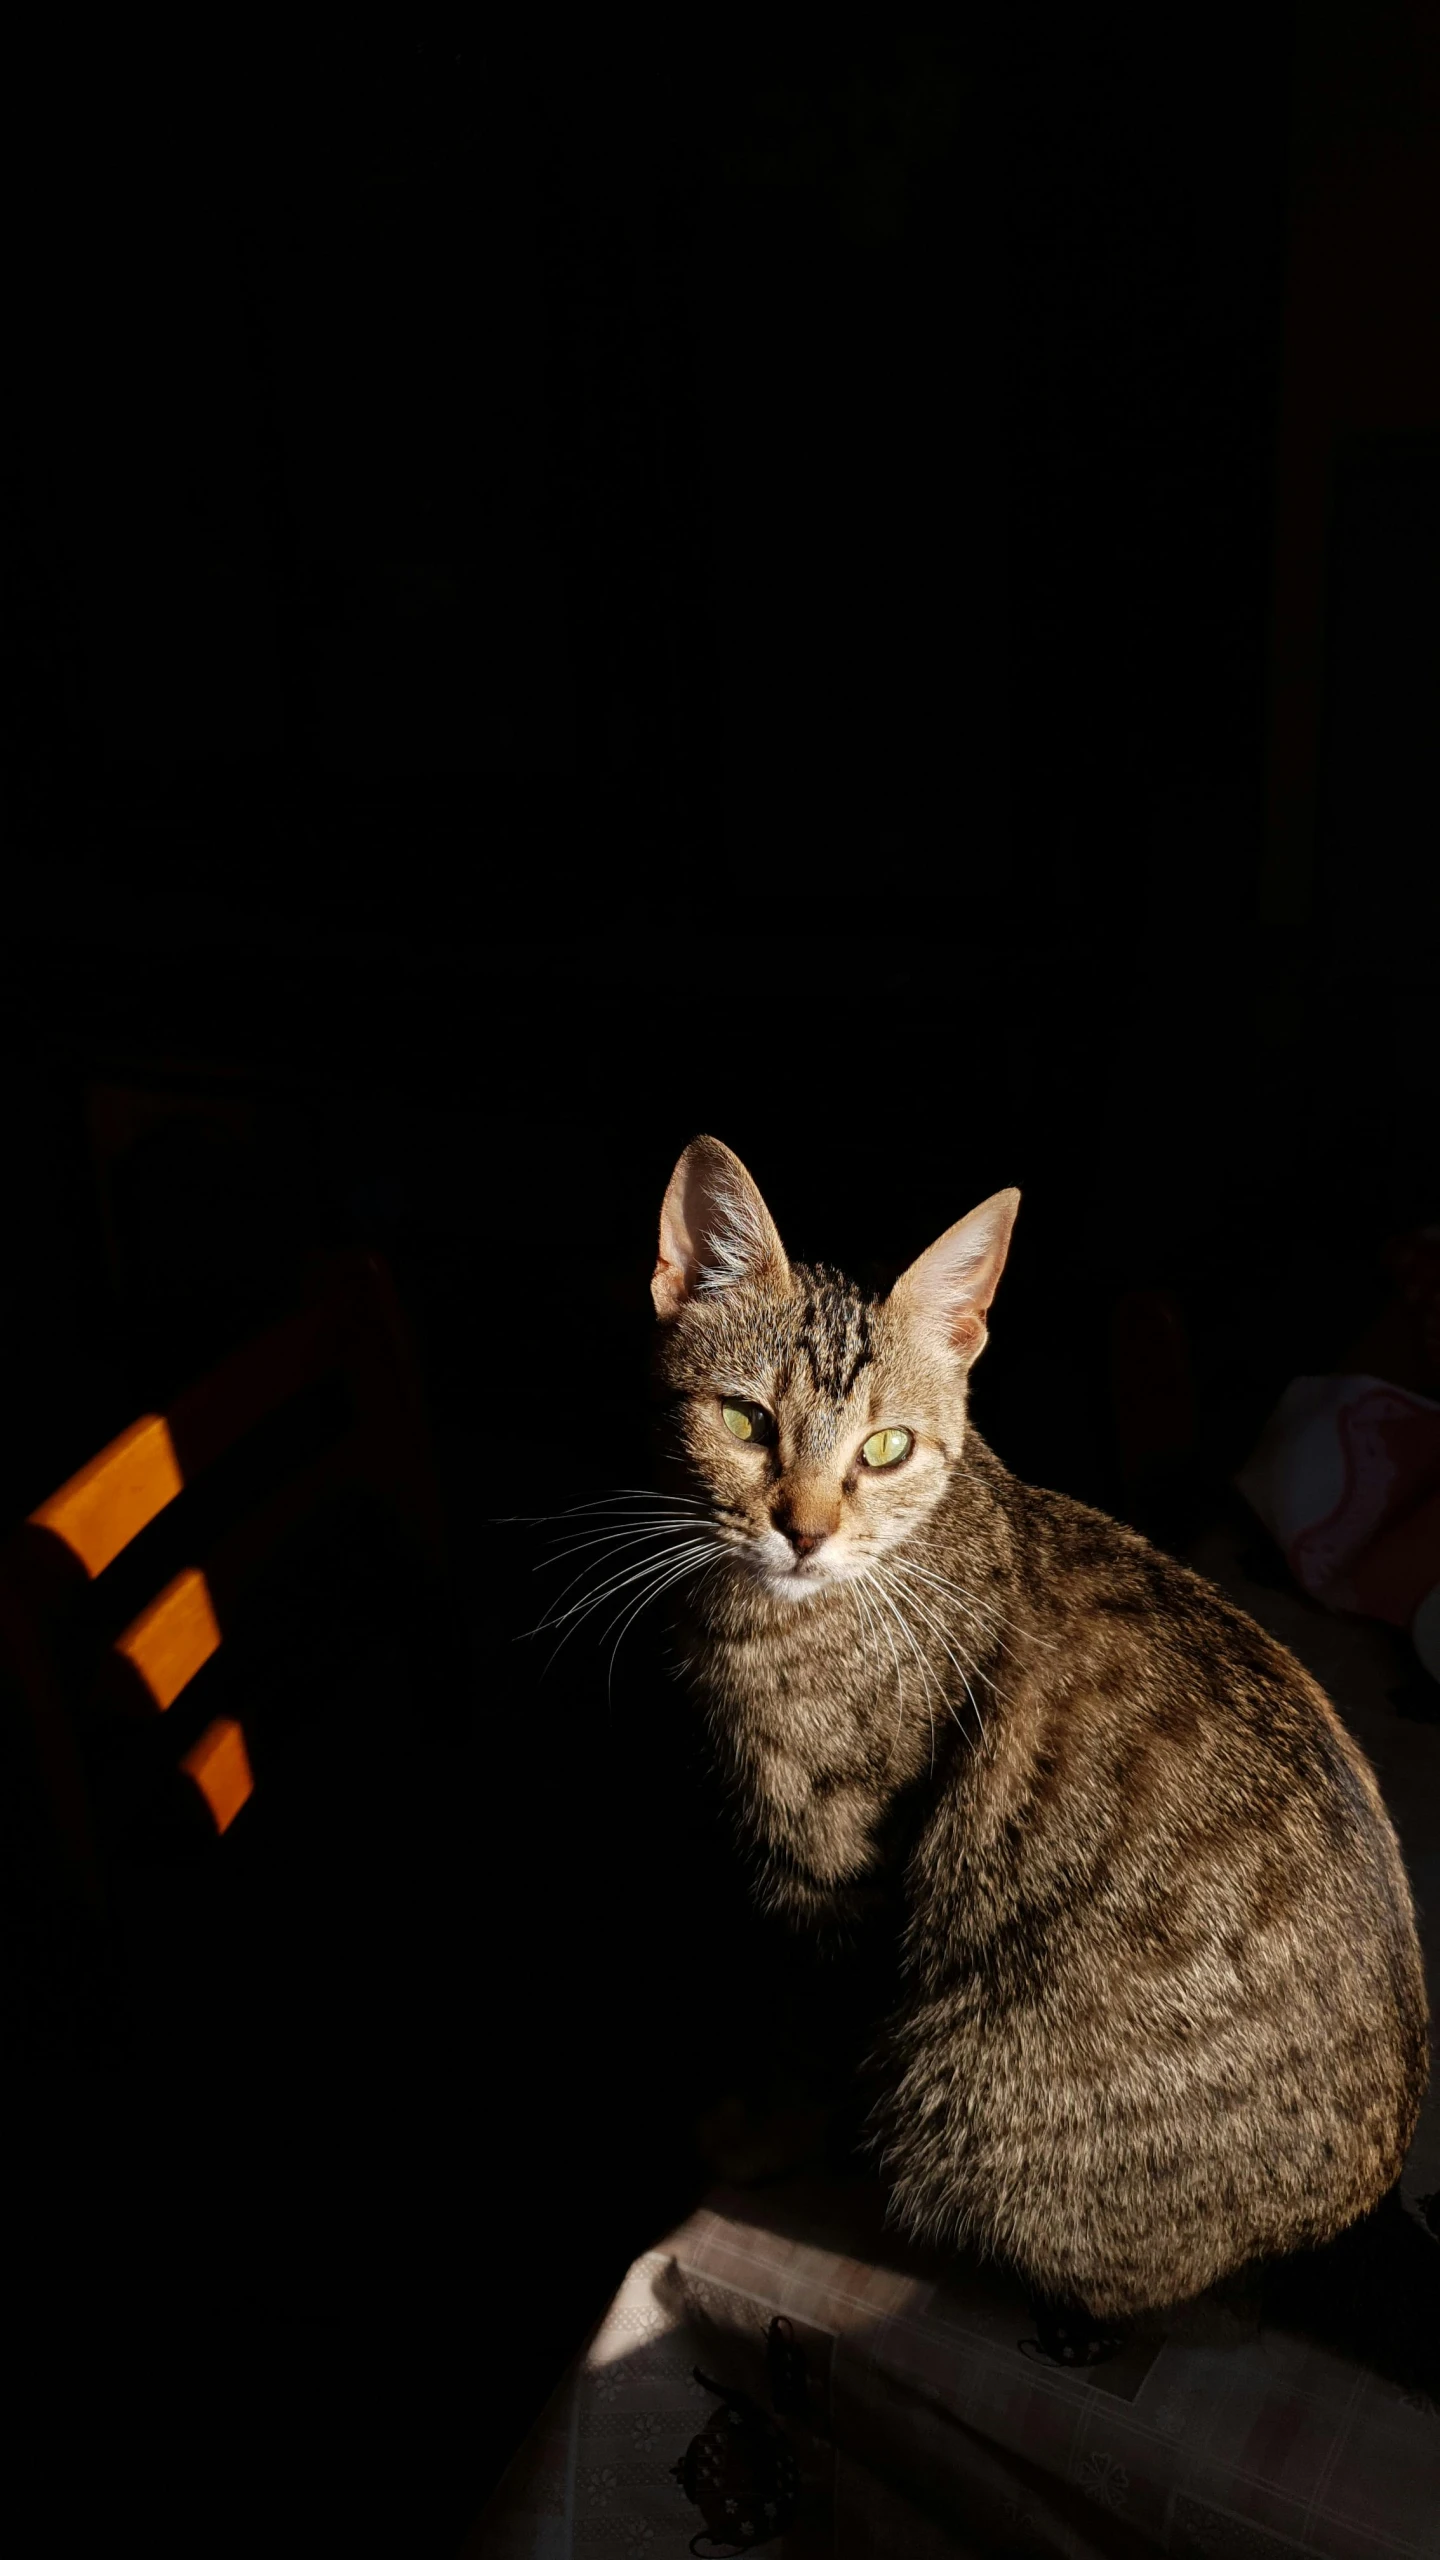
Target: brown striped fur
[{"x": 1163, "y": 2006}]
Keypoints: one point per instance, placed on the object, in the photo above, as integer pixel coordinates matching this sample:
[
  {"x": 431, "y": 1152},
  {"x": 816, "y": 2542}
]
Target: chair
[
  {"x": 248, "y": 1835},
  {"x": 123, "y": 1595}
]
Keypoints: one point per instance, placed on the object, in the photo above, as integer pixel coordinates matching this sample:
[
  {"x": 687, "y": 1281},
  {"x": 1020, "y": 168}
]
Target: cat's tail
[{"x": 1372, "y": 2294}]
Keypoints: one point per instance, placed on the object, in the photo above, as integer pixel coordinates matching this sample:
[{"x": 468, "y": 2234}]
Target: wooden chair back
[{"x": 123, "y": 1587}]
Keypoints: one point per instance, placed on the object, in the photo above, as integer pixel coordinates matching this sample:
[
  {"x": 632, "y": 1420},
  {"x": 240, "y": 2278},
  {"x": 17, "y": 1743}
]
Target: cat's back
[
  {"x": 1155, "y": 1672},
  {"x": 1167, "y": 1947},
  {"x": 1168, "y": 1786}
]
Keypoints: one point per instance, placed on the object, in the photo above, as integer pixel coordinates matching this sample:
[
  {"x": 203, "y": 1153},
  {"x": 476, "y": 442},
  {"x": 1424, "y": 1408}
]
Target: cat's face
[
  {"x": 814, "y": 1422},
  {"x": 817, "y": 1425}
]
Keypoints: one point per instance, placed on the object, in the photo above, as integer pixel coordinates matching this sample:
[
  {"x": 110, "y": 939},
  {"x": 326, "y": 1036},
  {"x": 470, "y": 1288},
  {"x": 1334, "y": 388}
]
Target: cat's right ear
[{"x": 715, "y": 1230}]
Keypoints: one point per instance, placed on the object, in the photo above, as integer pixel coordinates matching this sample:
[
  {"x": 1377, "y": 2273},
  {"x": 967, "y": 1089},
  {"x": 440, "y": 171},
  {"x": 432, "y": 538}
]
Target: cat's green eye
[
  {"x": 745, "y": 1421},
  {"x": 887, "y": 1448}
]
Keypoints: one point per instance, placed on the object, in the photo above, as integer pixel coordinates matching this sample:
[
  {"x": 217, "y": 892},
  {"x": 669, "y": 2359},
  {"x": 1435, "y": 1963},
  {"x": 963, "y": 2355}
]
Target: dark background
[{"x": 873, "y": 596}]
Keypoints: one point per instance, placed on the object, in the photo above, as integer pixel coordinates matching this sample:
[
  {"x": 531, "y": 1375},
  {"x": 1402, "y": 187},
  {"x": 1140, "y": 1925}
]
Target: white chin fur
[
  {"x": 777, "y": 1572},
  {"x": 790, "y": 1582}
]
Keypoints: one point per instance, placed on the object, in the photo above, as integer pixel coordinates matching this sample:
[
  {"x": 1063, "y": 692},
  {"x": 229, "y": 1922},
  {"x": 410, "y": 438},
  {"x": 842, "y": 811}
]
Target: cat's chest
[
  {"x": 826, "y": 1802},
  {"x": 804, "y": 1771}
]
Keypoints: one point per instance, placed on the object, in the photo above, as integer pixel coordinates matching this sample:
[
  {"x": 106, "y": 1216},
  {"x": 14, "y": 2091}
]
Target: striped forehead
[{"x": 829, "y": 1346}]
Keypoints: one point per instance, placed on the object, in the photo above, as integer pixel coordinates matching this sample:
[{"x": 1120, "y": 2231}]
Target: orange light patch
[
  {"x": 116, "y": 1495},
  {"x": 168, "y": 1641},
  {"x": 220, "y": 1766}
]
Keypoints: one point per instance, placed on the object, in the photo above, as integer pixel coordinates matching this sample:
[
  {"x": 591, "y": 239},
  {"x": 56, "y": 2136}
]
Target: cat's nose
[{"x": 806, "y": 1518}]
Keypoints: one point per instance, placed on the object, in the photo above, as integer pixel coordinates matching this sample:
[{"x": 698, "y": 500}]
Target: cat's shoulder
[{"x": 1106, "y": 1568}]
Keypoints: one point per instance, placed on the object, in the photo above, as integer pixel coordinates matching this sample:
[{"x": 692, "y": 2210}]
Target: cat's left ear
[{"x": 947, "y": 1293}]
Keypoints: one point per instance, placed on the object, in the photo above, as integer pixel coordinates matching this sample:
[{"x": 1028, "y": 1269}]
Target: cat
[{"x": 1161, "y": 2009}]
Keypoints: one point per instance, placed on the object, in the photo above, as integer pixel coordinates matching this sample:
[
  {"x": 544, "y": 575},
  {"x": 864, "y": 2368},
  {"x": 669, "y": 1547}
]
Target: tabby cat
[{"x": 1162, "y": 2006}]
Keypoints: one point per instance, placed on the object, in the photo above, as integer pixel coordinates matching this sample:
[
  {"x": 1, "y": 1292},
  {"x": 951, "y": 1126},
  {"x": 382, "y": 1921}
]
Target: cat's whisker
[
  {"x": 987, "y": 1608},
  {"x": 642, "y": 1604},
  {"x": 555, "y": 1616},
  {"x": 653, "y": 1570},
  {"x": 963, "y": 1590},
  {"x": 889, "y": 1639},
  {"x": 926, "y": 1673},
  {"x": 595, "y": 1514},
  {"x": 629, "y": 1519},
  {"x": 899, "y": 1683},
  {"x": 927, "y": 1618},
  {"x": 596, "y": 1548},
  {"x": 635, "y": 1570},
  {"x": 614, "y": 1538},
  {"x": 606, "y": 1502},
  {"x": 869, "y": 1626},
  {"x": 975, "y": 1626},
  {"x": 985, "y": 1613},
  {"x": 955, "y": 1593},
  {"x": 865, "y": 1614},
  {"x": 945, "y": 1628},
  {"x": 652, "y": 1575},
  {"x": 598, "y": 1563},
  {"x": 936, "y": 1626}
]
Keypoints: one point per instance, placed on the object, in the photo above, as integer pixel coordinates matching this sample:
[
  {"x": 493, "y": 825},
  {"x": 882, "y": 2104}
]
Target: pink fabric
[{"x": 1347, "y": 1480}]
